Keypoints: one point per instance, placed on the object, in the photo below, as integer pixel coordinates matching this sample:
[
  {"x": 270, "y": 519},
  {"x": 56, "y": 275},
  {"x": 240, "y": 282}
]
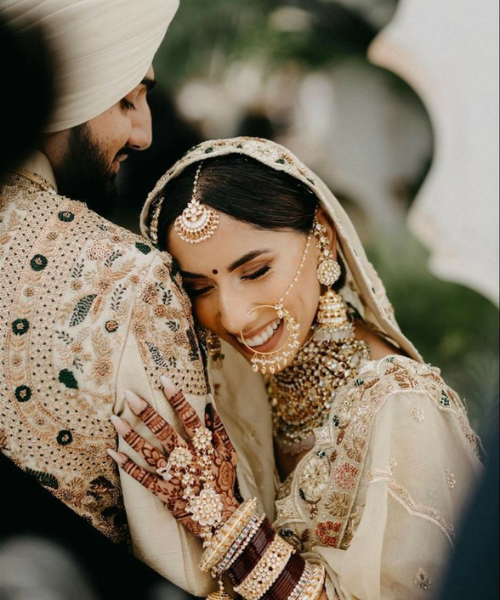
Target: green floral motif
[
  {"x": 23, "y": 393},
  {"x": 445, "y": 400},
  {"x": 281, "y": 161},
  {"x": 360, "y": 382},
  {"x": 209, "y": 150},
  {"x": 111, "y": 326},
  {"x": 20, "y": 326},
  {"x": 65, "y": 437},
  {"x": 45, "y": 479},
  {"x": 66, "y": 216},
  {"x": 67, "y": 378},
  {"x": 81, "y": 310},
  {"x": 144, "y": 248},
  {"x": 38, "y": 262}
]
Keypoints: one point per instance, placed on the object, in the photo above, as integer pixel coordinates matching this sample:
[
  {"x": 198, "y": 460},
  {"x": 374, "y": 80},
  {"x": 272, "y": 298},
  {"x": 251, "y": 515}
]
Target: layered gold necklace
[{"x": 302, "y": 395}]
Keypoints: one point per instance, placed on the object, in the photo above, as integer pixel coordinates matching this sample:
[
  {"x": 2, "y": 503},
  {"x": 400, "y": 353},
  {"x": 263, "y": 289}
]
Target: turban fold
[{"x": 102, "y": 48}]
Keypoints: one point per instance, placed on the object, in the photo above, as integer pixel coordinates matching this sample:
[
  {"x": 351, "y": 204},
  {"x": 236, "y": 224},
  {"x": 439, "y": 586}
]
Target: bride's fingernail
[
  {"x": 168, "y": 386},
  {"x": 121, "y": 426},
  {"x": 115, "y": 456},
  {"x": 136, "y": 404}
]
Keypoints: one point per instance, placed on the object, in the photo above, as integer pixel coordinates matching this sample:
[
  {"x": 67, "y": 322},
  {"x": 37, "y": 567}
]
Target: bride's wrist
[{"x": 258, "y": 562}]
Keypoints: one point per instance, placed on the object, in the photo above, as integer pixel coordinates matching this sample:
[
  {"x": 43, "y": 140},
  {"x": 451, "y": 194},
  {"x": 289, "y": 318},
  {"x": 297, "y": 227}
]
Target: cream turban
[{"x": 103, "y": 48}]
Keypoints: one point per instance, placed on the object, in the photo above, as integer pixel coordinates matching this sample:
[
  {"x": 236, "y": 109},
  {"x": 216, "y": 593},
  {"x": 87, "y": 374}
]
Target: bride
[{"x": 354, "y": 457}]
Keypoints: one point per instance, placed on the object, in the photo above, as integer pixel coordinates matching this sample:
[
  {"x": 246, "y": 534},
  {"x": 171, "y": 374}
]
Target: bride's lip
[{"x": 272, "y": 343}]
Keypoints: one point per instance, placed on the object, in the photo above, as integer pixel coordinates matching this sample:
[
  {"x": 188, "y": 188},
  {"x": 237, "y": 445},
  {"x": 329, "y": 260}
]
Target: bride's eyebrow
[
  {"x": 247, "y": 258},
  {"x": 232, "y": 267}
]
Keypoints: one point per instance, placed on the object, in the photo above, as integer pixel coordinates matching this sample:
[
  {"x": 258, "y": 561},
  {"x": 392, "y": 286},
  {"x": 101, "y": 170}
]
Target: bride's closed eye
[
  {"x": 200, "y": 291},
  {"x": 257, "y": 274}
]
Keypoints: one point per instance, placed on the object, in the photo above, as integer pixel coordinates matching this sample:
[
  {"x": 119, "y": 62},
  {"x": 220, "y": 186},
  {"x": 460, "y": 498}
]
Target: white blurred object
[
  {"x": 448, "y": 51},
  {"x": 33, "y": 568}
]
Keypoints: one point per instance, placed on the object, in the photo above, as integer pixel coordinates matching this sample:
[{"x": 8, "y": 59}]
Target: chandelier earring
[
  {"x": 332, "y": 322},
  {"x": 329, "y": 271},
  {"x": 214, "y": 348}
]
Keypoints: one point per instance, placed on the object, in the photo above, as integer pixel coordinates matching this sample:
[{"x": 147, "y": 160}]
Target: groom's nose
[{"x": 141, "y": 135}]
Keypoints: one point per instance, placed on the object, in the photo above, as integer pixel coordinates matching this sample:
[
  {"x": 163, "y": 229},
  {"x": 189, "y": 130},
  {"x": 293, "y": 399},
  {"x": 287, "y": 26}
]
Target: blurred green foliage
[
  {"x": 453, "y": 327},
  {"x": 206, "y": 36}
]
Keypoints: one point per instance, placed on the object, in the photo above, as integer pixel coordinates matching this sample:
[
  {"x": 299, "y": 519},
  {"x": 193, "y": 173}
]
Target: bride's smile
[{"x": 236, "y": 278}]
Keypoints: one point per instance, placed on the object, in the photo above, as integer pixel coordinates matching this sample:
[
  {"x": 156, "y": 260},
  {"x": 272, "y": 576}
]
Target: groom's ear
[{"x": 324, "y": 219}]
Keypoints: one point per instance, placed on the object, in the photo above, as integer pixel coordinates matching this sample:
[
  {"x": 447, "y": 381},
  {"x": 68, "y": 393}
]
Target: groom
[{"x": 88, "y": 309}]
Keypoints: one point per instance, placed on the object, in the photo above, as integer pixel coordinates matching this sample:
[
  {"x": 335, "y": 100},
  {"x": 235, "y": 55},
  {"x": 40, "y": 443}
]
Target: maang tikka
[{"x": 197, "y": 222}]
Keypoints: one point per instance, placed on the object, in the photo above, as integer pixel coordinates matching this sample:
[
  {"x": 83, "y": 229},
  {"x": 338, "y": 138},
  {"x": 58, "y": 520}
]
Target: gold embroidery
[
  {"x": 355, "y": 447},
  {"x": 313, "y": 478},
  {"x": 69, "y": 285},
  {"x": 345, "y": 440},
  {"x": 337, "y": 504},
  {"x": 352, "y": 526}
]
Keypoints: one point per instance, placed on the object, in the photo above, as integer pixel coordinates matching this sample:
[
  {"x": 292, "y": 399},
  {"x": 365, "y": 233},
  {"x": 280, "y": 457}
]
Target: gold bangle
[
  {"x": 225, "y": 537},
  {"x": 267, "y": 570},
  {"x": 314, "y": 587}
]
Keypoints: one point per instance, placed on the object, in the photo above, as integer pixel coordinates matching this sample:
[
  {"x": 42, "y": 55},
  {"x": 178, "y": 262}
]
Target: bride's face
[{"x": 241, "y": 268}]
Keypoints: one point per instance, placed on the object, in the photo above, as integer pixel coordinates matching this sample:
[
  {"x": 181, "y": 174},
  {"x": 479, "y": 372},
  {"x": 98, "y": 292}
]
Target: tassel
[{"x": 221, "y": 594}]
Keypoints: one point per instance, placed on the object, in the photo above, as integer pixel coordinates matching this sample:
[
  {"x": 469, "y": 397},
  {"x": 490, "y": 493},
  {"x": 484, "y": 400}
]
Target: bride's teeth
[{"x": 265, "y": 336}]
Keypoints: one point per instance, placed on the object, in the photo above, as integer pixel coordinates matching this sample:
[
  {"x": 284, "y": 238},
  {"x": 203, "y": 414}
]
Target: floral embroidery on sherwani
[
  {"x": 75, "y": 290},
  {"x": 318, "y": 505}
]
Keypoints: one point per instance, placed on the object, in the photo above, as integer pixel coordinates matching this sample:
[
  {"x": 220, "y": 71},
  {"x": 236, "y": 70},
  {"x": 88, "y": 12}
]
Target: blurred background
[{"x": 302, "y": 72}]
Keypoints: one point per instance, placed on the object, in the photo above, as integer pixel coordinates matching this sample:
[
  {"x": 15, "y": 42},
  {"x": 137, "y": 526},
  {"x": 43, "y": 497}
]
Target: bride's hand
[{"x": 168, "y": 481}]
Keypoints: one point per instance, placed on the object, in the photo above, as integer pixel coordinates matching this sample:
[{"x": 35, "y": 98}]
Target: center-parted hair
[{"x": 244, "y": 189}]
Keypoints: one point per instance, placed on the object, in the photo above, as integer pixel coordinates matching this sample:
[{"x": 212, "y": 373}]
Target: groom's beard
[{"x": 84, "y": 173}]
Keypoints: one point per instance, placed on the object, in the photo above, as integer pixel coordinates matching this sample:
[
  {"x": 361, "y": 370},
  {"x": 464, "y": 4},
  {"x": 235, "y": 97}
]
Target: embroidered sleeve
[{"x": 378, "y": 498}]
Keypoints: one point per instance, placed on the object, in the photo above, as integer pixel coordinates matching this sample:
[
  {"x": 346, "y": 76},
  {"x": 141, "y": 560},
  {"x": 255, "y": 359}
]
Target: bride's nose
[{"x": 234, "y": 310}]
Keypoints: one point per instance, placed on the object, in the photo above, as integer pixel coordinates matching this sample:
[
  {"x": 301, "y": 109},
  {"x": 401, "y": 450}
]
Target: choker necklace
[{"x": 302, "y": 395}]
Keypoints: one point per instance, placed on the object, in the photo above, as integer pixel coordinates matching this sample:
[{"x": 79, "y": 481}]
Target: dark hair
[{"x": 244, "y": 189}]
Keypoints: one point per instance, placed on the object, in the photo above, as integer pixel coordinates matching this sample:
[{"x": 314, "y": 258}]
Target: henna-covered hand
[{"x": 171, "y": 491}]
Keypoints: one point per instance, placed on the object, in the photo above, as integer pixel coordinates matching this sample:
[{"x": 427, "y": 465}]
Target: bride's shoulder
[{"x": 400, "y": 375}]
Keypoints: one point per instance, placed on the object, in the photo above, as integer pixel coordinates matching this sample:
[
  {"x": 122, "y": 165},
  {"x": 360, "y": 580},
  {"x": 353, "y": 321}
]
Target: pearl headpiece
[{"x": 197, "y": 223}]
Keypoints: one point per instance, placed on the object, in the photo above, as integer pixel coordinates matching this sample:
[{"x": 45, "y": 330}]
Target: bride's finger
[
  {"x": 220, "y": 431},
  {"x": 186, "y": 412},
  {"x": 149, "y": 453},
  {"x": 160, "y": 428},
  {"x": 158, "y": 486}
]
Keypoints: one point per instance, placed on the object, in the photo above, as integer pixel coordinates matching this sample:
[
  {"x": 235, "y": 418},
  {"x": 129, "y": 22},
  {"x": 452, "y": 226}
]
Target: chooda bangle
[{"x": 267, "y": 570}]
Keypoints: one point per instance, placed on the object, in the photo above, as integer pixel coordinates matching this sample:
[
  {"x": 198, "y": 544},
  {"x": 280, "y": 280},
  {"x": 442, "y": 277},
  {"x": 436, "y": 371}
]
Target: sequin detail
[{"x": 75, "y": 290}]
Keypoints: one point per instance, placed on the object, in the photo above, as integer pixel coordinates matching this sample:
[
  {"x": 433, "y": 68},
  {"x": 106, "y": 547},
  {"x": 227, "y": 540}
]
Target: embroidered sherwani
[{"x": 88, "y": 311}]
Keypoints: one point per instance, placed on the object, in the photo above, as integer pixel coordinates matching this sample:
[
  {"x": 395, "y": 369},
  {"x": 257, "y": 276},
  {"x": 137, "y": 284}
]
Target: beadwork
[
  {"x": 198, "y": 222},
  {"x": 225, "y": 536},
  {"x": 268, "y": 569},
  {"x": 302, "y": 395}
]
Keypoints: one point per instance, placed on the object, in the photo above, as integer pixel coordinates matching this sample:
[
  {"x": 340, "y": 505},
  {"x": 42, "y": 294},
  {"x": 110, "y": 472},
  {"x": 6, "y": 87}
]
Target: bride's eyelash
[
  {"x": 252, "y": 277},
  {"x": 258, "y": 274}
]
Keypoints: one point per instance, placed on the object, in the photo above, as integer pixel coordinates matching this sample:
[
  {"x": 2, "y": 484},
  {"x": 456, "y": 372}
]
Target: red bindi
[{"x": 215, "y": 272}]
